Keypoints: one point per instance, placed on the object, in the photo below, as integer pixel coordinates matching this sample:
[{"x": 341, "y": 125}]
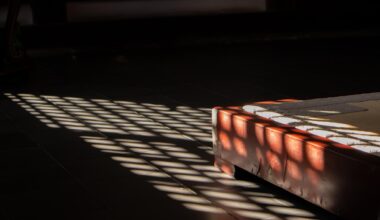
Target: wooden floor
[{"x": 127, "y": 135}]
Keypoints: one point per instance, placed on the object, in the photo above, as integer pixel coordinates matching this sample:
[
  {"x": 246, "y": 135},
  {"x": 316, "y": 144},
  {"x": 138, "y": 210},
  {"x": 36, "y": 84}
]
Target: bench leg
[{"x": 224, "y": 166}]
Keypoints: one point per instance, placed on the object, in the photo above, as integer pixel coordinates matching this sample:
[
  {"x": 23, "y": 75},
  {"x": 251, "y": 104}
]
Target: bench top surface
[{"x": 351, "y": 120}]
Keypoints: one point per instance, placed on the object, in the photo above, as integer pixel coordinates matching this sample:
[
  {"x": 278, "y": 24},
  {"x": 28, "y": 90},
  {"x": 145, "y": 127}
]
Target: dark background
[{"x": 322, "y": 48}]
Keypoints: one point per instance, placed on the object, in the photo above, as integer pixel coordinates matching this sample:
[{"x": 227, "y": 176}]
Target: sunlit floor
[{"x": 106, "y": 144}]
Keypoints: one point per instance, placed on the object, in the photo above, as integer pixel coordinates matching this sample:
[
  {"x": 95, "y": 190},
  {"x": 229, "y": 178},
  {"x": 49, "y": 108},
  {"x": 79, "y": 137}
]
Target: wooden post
[{"x": 12, "y": 50}]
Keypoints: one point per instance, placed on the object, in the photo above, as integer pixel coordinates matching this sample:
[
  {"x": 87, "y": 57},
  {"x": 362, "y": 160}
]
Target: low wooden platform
[{"x": 311, "y": 163}]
